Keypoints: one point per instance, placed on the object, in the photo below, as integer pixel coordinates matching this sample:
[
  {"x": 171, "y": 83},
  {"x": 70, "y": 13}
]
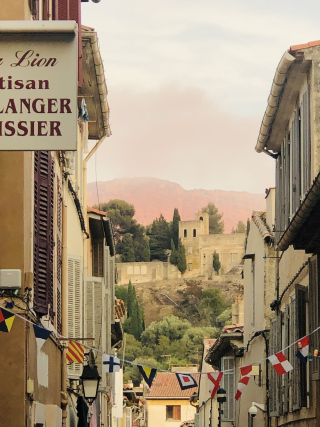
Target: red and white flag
[
  {"x": 215, "y": 378},
  {"x": 245, "y": 377},
  {"x": 280, "y": 363}
]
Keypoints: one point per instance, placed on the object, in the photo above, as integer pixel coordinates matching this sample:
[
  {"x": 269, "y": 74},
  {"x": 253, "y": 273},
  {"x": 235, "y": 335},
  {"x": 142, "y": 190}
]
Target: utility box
[{"x": 10, "y": 279}]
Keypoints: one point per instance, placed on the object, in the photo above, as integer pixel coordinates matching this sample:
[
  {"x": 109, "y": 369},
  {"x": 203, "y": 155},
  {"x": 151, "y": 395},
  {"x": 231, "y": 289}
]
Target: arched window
[
  {"x": 185, "y": 233},
  {"x": 201, "y": 218},
  {"x": 194, "y": 232}
]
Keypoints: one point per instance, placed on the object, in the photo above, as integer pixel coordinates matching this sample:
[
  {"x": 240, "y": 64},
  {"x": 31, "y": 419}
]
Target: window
[
  {"x": 185, "y": 233},
  {"x": 190, "y": 266},
  {"x": 173, "y": 412},
  {"x": 201, "y": 218},
  {"x": 189, "y": 250},
  {"x": 97, "y": 258},
  {"x": 293, "y": 167},
  {"x": 228, "y": 367},
  {"x": 194, "y": 232}
]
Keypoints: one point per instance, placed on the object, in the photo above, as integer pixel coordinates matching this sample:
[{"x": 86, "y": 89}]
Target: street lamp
[
  {"x": 90, "y": 380},
  {"x": 221, "y": 398}
]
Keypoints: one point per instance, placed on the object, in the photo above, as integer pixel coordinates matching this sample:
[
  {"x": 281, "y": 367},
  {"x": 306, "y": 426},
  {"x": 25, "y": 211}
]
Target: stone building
[{"x": 200, "y": 247}]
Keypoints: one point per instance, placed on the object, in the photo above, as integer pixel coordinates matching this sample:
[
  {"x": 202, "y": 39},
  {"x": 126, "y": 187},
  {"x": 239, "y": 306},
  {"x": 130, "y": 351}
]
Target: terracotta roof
[
  {"x": 85, "y": 28},
  {"x": 166, "y": 385},
  {"x": 260, "y": 220},
  {"x": 96, "y": 211},
  {"x": 304, "y": 45},
  {"x": 235, "y": 327}
]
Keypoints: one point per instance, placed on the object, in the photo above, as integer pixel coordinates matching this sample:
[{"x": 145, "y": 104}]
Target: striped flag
[
  {"x": 245, "y": 377},
  {"x": 75, "y": 352}
]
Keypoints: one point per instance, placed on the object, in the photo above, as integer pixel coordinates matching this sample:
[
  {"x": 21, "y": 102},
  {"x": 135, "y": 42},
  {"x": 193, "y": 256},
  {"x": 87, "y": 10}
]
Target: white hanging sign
[{"x": 38, "y": 85}]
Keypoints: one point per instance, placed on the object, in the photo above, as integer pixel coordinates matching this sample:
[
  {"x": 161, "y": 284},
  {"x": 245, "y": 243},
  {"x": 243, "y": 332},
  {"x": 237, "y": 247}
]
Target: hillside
[{"x": 153, "y": 196}]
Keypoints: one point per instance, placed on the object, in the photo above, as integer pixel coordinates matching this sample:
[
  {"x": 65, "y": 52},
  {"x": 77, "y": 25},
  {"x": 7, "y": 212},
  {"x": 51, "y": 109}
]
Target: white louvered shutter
[
  {"x": 95, "y": 320},
  {"x": 74, "y": 306},
  {"x": 228, "y": 364}
]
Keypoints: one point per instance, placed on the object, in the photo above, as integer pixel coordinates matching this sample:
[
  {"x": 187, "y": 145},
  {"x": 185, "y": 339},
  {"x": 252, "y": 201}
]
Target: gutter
[
  {"x": 277, "y": 87},
  {"x": 309, "y": 202}
]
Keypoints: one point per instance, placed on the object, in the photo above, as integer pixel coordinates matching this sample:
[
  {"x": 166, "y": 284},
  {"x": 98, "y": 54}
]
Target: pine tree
[
  {"x": 127, "y": 249},
  {"x": 181, "y": 258},
  {"x": 174, "y": 254},
  {"x": 248, "y": 226},
  {"x": 175, "y": 227},
  {"x": 146, "y": 252}
]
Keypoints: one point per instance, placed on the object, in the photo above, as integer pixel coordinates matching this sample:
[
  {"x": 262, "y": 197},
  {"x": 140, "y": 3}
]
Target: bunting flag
[
  {"x": 6, "y": 320},
  {"x": 280, "y": 363},
  {"x": 215, "y": 378},
  {"x": 41, "y": 335},
  {"x": 75, "y": 352},
  {"x": 303, "y": 349},
  {"x": 186, "y": 381},
  {"x": 110, "y": 363},
  {"x": 147, "y": 373},
  {"x": 245, "y": 377}
]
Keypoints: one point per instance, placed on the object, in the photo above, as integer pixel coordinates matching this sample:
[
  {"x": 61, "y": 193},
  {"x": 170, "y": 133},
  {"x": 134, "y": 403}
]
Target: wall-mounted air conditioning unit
[{"x": 10, "y": 279}]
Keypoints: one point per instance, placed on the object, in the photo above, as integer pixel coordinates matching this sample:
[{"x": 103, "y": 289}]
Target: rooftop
[
  {"x": 167, "y": 386},
  {"x": 260, "y": 220}
]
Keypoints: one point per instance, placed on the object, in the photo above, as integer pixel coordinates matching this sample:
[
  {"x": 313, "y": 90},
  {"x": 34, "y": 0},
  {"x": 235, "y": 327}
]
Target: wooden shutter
[
  {"x": 286, "y": 342},
  {"x": 95, "y": 319},
  {"x": 296, "y": 163},
  {"x": 46, "y": 10},
  {"x": 306, "y": 141},
  {"x": 301, "y": 328},
  {"x": 286, "y": 167},
  {"x": 274, "y": 383},
  {"x": 59, "y": 256},
  {"x": 43, "y": 232},
  {"x": 295, "y": 373},
  {"x": 74, "y": 306},
  {"x": 177, "y": 412},
  {"x": 34, "y": 9},
  {"x": 314, "y": 322},
  {"x": 97, "y": 258},
  {"x": 278, "y": 201}
]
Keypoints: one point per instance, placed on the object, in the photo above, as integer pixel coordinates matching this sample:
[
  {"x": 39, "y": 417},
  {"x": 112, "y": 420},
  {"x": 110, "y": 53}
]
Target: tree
[
  {"x": 170, "y": 326},
  {"x": 121, "y": 292},
  {"x": 174, "y": 255},
  {"x": 216, "y": 225},
  {"x": 216, "y": 264},
  {"x": 133, "y": 325},
  {"x": 159, "y": 233},
  {"x": 175, "y": 227},
  {"x": 146, "y": 251},
  {"x": 225, "y": 318},
  {"x": 131, "y": 298},
  {"x": 127, "y": 249},
  {"x": 248, "y": 226},
  {"x": 121, "y": 214},
  {"x": 181, "y": 257},
  {"x": 241, "y": 228}
]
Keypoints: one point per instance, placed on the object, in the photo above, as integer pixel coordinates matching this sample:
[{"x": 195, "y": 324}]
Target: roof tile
[{"x": 167, "y": 385}]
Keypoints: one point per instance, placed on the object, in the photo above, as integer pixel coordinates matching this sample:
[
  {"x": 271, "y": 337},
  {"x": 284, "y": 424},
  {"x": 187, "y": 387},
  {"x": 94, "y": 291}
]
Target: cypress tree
[
  {"x": 146, "y": 252},
  {"x": 174, "y": 254},
  {"x": 175, "y": 227},
  {"x": 181, "y": 258},
  {"x": 130, "y": 300}
]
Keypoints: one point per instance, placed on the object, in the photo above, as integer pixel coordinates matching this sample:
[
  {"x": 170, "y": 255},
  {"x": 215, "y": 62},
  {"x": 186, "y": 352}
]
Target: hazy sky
[{"x": 188, "y": 83}]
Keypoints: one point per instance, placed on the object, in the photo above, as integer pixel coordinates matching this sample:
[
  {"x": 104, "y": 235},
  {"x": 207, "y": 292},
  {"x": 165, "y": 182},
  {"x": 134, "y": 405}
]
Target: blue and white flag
[
  {"x": 186, "y": 381},
  {"x": 41, "y": 334},
  {"x": 110, "y": 363}
]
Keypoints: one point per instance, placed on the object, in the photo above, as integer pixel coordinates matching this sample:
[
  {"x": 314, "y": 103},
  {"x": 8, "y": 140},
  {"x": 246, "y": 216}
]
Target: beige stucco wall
[
  {"x": 157, "y": 412},
  {"x": 141, "y": 272},
  {"x": 15, "y": 10}
]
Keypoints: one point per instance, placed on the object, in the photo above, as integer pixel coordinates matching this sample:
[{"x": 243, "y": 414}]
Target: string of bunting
[{"x": 110, "y": 363}]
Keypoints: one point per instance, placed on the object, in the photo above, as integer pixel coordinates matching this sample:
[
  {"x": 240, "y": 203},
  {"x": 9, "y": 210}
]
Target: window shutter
[
  {"x": 34, "y": 9},
  {"x": 286, "y": 342},
  {"x": 314, "y": 320},
  {"x": 95, "y": 320},
  {"x": 295, "y": 373},
  {"x": 59, "y": 257},
  {"x": 229, "y": 386},
  {"x": 286, "y": 168},
  {"x": 275, "y": 385},
  {"x": 74, "y": 306},
  {"x": 283, "y": 188},
  {"x": 177, "y": 412},
  {"x": 108, "y": 300},
  {"x": 306, "y": 142},
  {"x": 301, "y": 328},
  {"x": 43, "y": 232},
  {"x": 296, "y": 163},
  {"x": 97, "y": 258},
  {"x": 278, "y": 198}
]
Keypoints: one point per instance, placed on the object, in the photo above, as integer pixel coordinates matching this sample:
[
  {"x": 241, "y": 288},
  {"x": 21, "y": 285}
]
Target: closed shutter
[
  {"x": 274, "y": 383},
  {"x": 278, "y": 198},
  {"x": 228, "y": 364},
  {"x": 177, "y": 412},
  {"x": 296, "y": 163},
  {"x": 113, "y": 288},
  {"x": 283, "y": 188},
  {"x": 301, "y": 328},
  {"x": 295, "y": 374},
  {"x": 43, "y": 233},
  {"x": 59, "y": 256},
  {"x": 286, "y": 342},
  {"x": 95, "y": 320},
  {"x": 314, "y": 315},
  {"x": 46, "y": 10},
  {"x": 97, "y": 258},
  {"x": 74, "y": 306},
  {"x": 286, "y": 168},
  {"x": 306, "y": 142}
]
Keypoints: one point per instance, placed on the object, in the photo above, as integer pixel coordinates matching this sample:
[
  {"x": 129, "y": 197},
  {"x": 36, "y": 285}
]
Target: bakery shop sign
[{"x": 38, "y": 85}]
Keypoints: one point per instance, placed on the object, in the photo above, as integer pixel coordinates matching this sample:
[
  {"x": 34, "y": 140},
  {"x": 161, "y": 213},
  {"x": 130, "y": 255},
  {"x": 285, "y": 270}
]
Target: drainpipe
[
  {"x": 64, "y": 307},
  {"x": 267, "y": 377}
]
